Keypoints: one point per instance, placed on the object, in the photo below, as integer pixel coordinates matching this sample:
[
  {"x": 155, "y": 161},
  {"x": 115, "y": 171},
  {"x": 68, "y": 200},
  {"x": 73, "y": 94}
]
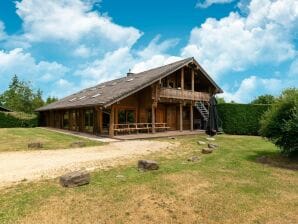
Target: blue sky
[{"x": 248, "y": 46}]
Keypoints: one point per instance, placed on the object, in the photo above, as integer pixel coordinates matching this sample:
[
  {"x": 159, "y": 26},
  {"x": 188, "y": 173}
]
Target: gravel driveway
[{"x": 44, "y": 164}]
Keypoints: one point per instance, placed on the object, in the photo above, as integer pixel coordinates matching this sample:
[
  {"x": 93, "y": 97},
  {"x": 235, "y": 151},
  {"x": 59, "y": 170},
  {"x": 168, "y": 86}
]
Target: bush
[
  {"x": 17, "y": 119},
  {"x": 280, "y": 123},
  {"x": 241, "y": 119}
]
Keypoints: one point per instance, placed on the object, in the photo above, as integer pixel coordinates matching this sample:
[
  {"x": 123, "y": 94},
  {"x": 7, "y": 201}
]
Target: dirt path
[{"x": 34, "y": 165}]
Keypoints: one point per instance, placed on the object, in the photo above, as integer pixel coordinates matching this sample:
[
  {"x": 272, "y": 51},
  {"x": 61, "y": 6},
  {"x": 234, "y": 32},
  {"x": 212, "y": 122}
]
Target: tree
[
  {"x": 280, "y": 123},
  {"x": 20, "y": 97},
  {"x": 37, "y": 100},
  {"x": 51, "y": 99},
  {"x": 220, "y": 100},
  {"x": 264, "y": 99}
]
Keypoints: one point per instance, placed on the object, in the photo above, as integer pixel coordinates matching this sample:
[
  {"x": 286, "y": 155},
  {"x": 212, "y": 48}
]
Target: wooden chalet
[{"x": 170, "y": 97}]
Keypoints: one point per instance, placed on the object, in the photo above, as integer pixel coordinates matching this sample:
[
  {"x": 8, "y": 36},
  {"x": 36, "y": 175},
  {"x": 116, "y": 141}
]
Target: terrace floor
[
  {"x": 129, "y": 136},
  {"x": 158, "y": 134}
]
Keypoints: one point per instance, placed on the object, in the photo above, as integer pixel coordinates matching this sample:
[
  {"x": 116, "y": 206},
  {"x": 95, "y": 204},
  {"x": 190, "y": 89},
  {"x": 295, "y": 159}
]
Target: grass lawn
[
  {"x": 14, "y": 139},
  {"x": 227, "y": 186}
]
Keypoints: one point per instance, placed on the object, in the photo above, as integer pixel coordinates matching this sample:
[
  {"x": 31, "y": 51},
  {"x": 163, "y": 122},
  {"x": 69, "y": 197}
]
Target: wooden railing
[
  {"x": 185, "y": 94},
  {"x": 136, "y": 127}
]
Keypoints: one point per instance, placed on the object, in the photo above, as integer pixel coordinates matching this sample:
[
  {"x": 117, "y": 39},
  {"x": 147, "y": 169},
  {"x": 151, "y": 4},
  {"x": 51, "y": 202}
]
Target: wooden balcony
[{"x": 185, "y": 94}]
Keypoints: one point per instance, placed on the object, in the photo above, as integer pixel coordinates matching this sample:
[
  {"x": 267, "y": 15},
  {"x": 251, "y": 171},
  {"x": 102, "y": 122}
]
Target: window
[
  {"x": 89, "y": 120},
  {"x": 65, "y": 120},
  {"x": 126, "y": 116}
]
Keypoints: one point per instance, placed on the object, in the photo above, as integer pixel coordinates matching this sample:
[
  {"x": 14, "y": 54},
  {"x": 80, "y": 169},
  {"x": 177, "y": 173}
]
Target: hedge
[
  {"x": 17, "y": 119},
  {"x": 241, "y": 119}
]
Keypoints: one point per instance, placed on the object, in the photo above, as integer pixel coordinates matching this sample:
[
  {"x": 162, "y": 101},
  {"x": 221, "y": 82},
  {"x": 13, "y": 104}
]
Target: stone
[
  {"x": 210, "y": 139},
  {"x": 207, "y": 150},
  {"x": 145, "y": 165},
  {"x": 172, "y": 138},
  {"x": 212, "y": 146},
  {"x": 201, "y": 143},
  {"x": 120, "y": 176},
  {"x": 193, "y": 159},
  {"x": 262, "y": 159},
  {"x": 78, "y": 144},
  {"x": 75, "y": 179},
  {"x": 35, "y": 145}
]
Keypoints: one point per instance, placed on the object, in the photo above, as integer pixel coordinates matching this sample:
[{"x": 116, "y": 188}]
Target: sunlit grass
[
  {"x": 227, "y": 186},
  {"x": 15, "y": 139}
]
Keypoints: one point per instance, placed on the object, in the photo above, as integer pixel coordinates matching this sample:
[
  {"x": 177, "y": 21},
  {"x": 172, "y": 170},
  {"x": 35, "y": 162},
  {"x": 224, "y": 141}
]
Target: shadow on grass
[{"x": 274, "y": 159}]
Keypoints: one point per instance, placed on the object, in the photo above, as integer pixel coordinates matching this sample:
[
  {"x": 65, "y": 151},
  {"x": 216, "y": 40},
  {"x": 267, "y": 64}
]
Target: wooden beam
[
  {"x": 153, "y": 116},
  {"x": 100, "y": 121},
  {"x": 112, "y": 115},
  {"x": 182, "y": 79},
  {"x": 191, "y": 116},
  {"x": 181, "y": 117},
  {"x": 81, "y": 120},
  {"x": 192, "y": 80}
]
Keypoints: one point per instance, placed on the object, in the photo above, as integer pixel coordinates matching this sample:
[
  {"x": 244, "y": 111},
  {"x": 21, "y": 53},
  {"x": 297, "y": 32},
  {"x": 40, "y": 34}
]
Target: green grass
[
  {"x": 227, "y": 186},
  {"x": 15, "y": 139}
]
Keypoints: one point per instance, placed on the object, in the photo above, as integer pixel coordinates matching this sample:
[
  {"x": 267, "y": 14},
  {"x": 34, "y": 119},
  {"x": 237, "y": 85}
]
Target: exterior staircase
[{"x": 203, "y": 110}]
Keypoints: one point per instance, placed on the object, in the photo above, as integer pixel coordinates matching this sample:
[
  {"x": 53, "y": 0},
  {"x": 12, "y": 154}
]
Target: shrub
[
  {"x": 17, "y": 119},
  {"x": 241, "y": 119},
  {"x": 280, "y": 123}
]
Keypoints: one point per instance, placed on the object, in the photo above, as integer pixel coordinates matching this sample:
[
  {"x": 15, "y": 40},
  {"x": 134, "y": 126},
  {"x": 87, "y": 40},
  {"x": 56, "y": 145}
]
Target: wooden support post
[
  {"x": 112, "y": 115},
  {"x": 192, "y": 80},
  {"x": 95, "y": 119},
  {"x": 100, "y": 121},
  {"x": 181, "y": 117},
  {"x": 81, "y": 119},
  {"x": 153, "y": 116},
  {"x": 191, "y": 116},
  {"x": 182, "y": 79}
]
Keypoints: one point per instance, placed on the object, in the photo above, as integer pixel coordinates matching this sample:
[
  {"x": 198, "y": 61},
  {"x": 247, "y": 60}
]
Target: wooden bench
[{"x": 136, "y": 127}]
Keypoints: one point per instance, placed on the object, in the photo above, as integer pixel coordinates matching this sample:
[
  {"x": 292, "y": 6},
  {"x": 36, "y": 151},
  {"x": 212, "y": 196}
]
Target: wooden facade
[{"x": 167, "y": 104}]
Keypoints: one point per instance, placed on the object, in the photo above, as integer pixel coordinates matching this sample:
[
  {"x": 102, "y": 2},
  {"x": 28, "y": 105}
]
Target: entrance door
[{"x": 171, "y": 117}]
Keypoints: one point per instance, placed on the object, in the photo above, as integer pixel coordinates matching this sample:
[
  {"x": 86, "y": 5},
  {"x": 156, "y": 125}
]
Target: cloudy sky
[{"x": 250, "y": 47}]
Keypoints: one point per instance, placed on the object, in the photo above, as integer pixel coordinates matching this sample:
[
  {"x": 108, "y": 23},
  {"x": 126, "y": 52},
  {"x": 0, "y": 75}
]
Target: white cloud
[
  {"x": 154, "y": 61},
  {"x": 117, "y": 63},
  {"x": 156, "y": 47},
  {"x": 25, "y": 66},
  {"x": 114, "y": 64},
  {"x": 71, "y": 21},
  {"x": 207, "y": 3},
  {"x": 236, "y": 42},
  {"x": 2, "y": 32},
  {"x": 253, "y": 86},
  {"x": 82, "y": 51},
  {"x": 293, "y": 71}
]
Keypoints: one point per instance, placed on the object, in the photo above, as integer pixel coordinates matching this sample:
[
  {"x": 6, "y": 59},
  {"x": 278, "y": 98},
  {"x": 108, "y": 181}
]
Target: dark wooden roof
[{"x": 112, "y": 91}]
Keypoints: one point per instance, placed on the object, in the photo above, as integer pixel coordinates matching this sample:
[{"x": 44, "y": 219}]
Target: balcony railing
[{"x": 185, "y": 94}]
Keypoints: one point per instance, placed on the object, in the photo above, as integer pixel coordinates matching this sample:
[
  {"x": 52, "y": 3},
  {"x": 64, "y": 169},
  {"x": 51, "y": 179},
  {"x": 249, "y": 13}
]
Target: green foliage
[
  {"x": 51, "y": 100},
  {"x": 241, "y": 119},
  {"x": 280, "y": 123},
  {"x": 264, "y": 99},
  {"x": 220, "y": 100},
  {"x": 17, "y": 119},
  {"x": 21, "y": 97}
]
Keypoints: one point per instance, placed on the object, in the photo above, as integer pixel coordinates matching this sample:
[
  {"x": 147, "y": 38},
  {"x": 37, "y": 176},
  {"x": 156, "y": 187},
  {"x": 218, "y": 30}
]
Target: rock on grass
[
  {"x": 75, "y": 179},
  {"x": 145, "y": 165}
]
